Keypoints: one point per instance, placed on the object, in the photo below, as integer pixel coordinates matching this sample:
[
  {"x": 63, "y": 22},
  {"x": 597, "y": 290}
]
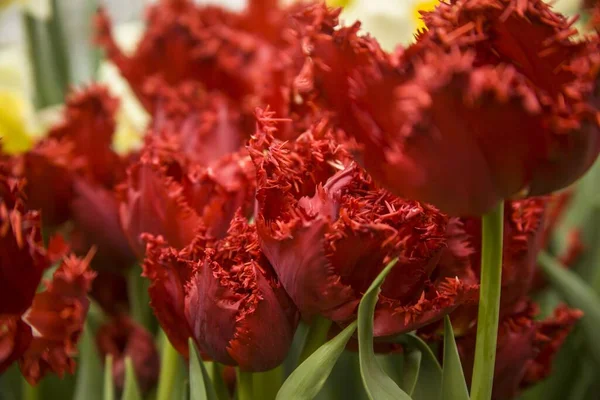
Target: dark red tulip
[
  {"x": 225, "y": 295},
  {"x": 493, "y": 101},
  {"x": 167, "y": 195},
  {"x": 23, "y": 258},
  {"x": 238, "y": 311},
  {"x": 15, "y": 338},
  {"x": 525, "y": 350},
  {"x": 57, "y": 316},
  {"x": 122, "y": 338},
  {"x": 328, "y": 230}
]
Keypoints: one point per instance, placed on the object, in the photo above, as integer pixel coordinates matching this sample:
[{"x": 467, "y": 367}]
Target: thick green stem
[
  {"x": 168, "y": 370},
  {"x": 245, "y": 385},
  {"x": 489, "y": 304},
  {"x": 267, "y": 384},
  {"x": 29, "y": 392},
  {"x": 316, "y": 337}
]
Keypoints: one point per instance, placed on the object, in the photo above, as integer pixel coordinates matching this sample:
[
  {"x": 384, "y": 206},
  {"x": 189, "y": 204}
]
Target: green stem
[
  {"x": 138, "y": 297},
  {"x": 45, "y": 90},
  {"x": 245, "y": 385},
  {"x": 489, "y": 304},
  {"x": 29, "y": 392},
  {"x": 168, "y": 370},
  {"x": 267, "y": 384},
  {"x": 316, "y": 337}
]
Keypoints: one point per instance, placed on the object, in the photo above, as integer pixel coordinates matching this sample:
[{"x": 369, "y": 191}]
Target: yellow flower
[
  {"x": 38, "y": 8},
  {"x": 17, "y": 116}
]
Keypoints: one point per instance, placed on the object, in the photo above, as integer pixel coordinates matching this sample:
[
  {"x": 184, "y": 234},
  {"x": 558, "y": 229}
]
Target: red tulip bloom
[
  {"x": 167, "y": 195},
  {"x": 225, "y": 296},
  {"x": 22, "y": 254},
  {"x": 525, "y": 349},
  {"x": 493, "y": 101},
  {"x": 44, "y": 338},
  {"x": 71, "y": 175},
  {"x": 328, "y": 231},
  {"x": 122, "y": 338}
]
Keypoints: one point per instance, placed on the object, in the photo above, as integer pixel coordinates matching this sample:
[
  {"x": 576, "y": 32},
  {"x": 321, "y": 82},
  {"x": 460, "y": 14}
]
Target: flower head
[
  {"x": 122, "y": 338},
  {"x": 328, "y": 230},
  {"x": 494, "y": 100}
]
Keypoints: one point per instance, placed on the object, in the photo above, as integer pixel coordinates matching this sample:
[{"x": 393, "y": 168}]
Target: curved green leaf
[
  {"x": 201, "y": 387},
  {"x": 131, "y": 390},
  {"x": 378, "y": 385},
  {"x": 308, "y": 379},
  {"x": 578, "y": 294},
  {"x": 454, "y": 386},
  {"x": 109, "y": 389}
]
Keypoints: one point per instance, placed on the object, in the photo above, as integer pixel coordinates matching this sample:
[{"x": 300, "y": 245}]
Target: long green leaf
[
  {"x": 131, "y": 390},
  {"x": 308, "y": 379},
  {"x": 89, "y": 372},
  {"x": 454, "y": 386},
  {"x": 201, "y": 387},
  {"x": 109, "y": 389},
  {"x": 378, "y": 384},
  {"x": 410, "y": 371},
  {"x": 578, "y": 294}
]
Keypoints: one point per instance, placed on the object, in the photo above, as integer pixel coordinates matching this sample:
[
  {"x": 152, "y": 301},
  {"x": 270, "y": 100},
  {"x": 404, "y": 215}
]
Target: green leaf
[
  {"x": 89, "y": 372},
  {"x": 109, "y": 389},
  {"x": 308, "y": 379},
  {"x": 131, "y": 390},
  {"x": 410, "y": 372},
  {"x": 454, "y": 386},
  {"x": 429, "y": 384},
  {"x": 201, "y": 387},
  {"x": 578, "y": 294},
  {"x": 378, "y": 384}
]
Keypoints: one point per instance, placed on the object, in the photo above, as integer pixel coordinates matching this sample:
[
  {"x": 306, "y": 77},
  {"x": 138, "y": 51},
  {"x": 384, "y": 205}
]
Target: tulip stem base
[
  {"x": 245, "y": 385},
  {"x": 169, "y": 359},
  {"x": 489, "y": 304},
  {"x": 316, "y": 337},
  {"x": 29, "y": 392}
]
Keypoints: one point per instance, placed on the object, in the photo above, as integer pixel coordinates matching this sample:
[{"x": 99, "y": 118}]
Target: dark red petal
[
  {"x": 15, "y": 338},
  {"x": 56, "y": 318},
  {"x": 153, "y": 202},
  {"x": 22, "y": 259},
  {"x": 89, "y": 123},
  {"x": 206, "y": 126},
  {"x": 168, "y": 274},
  {"x": 122, "y": 338},
  {"x": 96, "y": 223},
  {"x": 109, "y": 289}
]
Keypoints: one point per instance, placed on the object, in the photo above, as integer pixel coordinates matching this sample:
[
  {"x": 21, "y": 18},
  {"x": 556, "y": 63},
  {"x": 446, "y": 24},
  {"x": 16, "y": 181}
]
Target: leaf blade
[
  {"x": 454, "y": 386},
  {"x": 131, "y": 390},
  {"x": 308, "y": 379},
  {"x": 201, "y": 387},
  {"x": 378, "y": 385}
]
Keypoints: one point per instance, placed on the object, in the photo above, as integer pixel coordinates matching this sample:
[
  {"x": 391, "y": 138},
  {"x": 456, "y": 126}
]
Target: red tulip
[
  {"x": 123, "y": 338},
  {"x": 493, "y": 101},
  {"x": 238, "y": 311},
  {"x": 224, "y": 295},
  {"x": 328, "y": 230},
  {"x": 44, "y": 338},
  {"x": 525, "y": 349},
  {"x": 167, "y": 195}
]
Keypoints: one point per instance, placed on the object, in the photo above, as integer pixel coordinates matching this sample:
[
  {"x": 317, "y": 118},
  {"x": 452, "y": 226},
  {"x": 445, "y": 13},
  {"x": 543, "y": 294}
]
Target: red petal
[
  {"x": 56, "y": 317},
  {"x": 15, "y": 338},
  {"x": 122, "y": 338}
]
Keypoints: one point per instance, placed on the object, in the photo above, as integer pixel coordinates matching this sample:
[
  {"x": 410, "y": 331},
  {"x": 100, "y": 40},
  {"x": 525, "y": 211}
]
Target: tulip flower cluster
[{"x": 288, "y": 160}]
